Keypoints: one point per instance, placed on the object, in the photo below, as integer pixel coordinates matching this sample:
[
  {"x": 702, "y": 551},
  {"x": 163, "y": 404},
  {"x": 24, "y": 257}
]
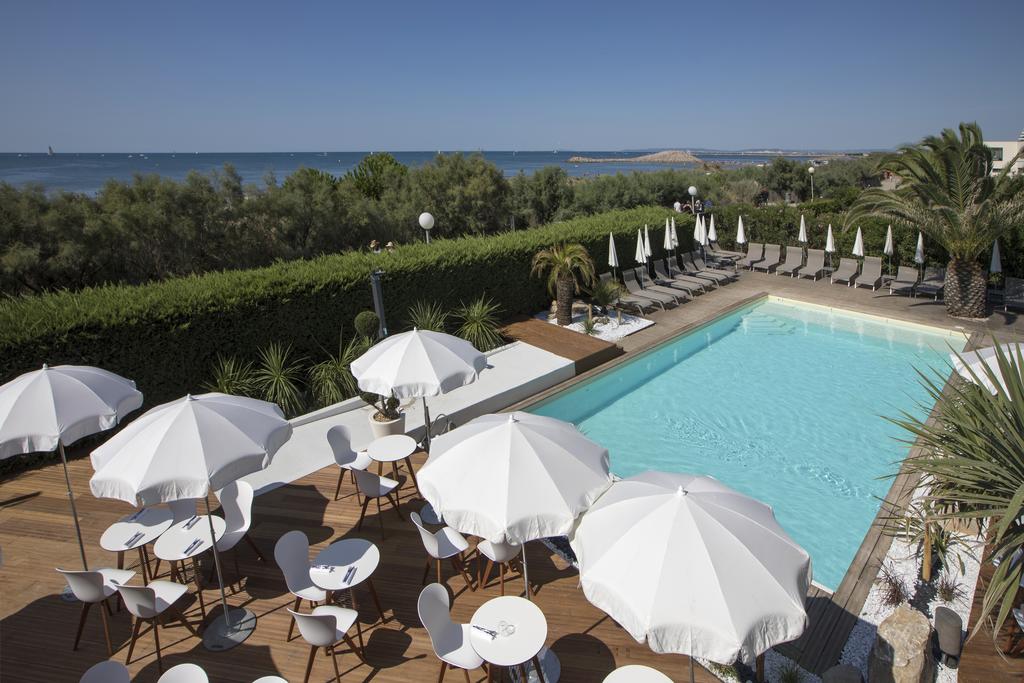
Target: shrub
[
  {"x": 478, "y": 323},
  {"x": 949, "y": 589},
  {"x": 277, "y": 378},
  {"x": 894, "y": 588},
  {"x": 427, "y": 315},
  {"x": 232, "y": 376},
  {"x": 367, "y": 324}
]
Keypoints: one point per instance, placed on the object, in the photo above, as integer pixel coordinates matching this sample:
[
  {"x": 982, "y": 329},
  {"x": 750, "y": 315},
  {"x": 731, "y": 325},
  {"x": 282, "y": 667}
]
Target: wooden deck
[
  {"x": 585, "y": 351},
  {"x": 37, "y": 628},
  {"x": 983, "y": 661}
]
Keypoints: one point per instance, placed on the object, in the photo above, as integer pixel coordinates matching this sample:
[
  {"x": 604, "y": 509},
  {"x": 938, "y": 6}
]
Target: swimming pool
[{"x": 780, "y": 400}]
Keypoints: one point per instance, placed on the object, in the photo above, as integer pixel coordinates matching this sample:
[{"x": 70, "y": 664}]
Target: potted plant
[{"x": 387, "y": 419}]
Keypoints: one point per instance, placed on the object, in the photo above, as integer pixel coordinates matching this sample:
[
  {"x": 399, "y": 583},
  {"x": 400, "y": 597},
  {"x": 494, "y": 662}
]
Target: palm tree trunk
[
  {"x": 966, "y": 289},
  {"x": 564, "y": 296}
]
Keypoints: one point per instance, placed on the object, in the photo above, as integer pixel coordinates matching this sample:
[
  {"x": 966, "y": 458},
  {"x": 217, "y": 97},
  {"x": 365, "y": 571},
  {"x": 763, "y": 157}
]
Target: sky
[{"x": 259, "y": 76}]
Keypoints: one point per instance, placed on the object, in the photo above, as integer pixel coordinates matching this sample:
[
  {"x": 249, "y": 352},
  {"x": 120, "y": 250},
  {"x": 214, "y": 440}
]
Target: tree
[
  {"x": 948, "y": 192},
  {"x": 375, "y": 173},
  {"x": 788, "y": 177},
  {"x": 567, "y": 265}
]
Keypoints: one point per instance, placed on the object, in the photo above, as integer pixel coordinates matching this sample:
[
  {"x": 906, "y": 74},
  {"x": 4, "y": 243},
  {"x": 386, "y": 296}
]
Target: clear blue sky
[{"x": 260, "y": 76}]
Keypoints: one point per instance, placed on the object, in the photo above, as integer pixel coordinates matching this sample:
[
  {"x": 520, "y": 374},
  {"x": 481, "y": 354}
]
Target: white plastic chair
[
  {"x": 92, "y": 587},
  {"x": 445, "y": 544},
  {"x": 375, "y": 487},
  {"x": 184, "y": 673},
  {"x": 327, "y": 626},
  {"x": 106, "y": 672},
  {"x": 451, "y": 641},
  {"x": 340, "y": 440},
  {"x": 292, "y": 555},
  {"x": 236, "y": 501},
  {"x": 270, "y": 679},
  {"x": 149, "y": 603},
  {"x": 500, "y": 554}
]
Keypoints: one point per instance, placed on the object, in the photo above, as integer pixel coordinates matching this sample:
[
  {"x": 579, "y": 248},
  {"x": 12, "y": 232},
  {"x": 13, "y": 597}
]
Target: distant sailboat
[{"x": 49, "y": 150}]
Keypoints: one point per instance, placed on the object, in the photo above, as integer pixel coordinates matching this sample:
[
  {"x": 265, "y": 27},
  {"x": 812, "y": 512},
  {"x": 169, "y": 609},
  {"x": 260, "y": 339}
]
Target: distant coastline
[{"x": 667, "y": 156}]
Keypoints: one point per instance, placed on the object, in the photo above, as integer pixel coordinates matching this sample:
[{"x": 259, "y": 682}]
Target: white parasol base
[{"x": 219, "y": 636}]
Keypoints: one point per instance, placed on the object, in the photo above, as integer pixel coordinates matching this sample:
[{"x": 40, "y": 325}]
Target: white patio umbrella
[
  {"x": 858, "y": 244},
  {"x": 696, "y": 229},
  {"x": 183, "y": 449},
  {"x": 50, "y": 408},
  {"x": 692, "y": 567},
  {"x": 712, "y": 234},
  {"x": 741, "y": 235},
  {"x": 647, "y": 242},
  {"x": 888, "y": 249},
  {"x": 675, "y": 236},
  {"x": 667, "y": 242},
  {"x": 418, "y": 364},
  {"x": 919, "y": 251},
  {"x": 641, "y": 255},
  {"x": 982, "y": 366},
  {"x": 996, "y": 265},
  {"x": 830, "y": 245},
  {"x": 802, "y": 237},
  {"x": 613, "y": 255}
]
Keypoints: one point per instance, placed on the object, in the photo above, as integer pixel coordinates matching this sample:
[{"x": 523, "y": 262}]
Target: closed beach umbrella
[
  {"x": 675, "y": 236},
  {"x": 692, "y": 567},
  {"x": 888, "y": 248},
  {"x": 49, "y": 408},
  {"x": 667, "y": 242},
  {"x": 858, "y": 244},
  {"x": 712, "y": 235},
  {"x": 996, "y": 265},
  {"x": 919, "y": 251},
  {"x": 696, "y": 229},
  {"x": 703, "y": 231},
  {"x": 802, "y": 237},
  {"x": 741, "y": 235},
  {"x": 983, "y": 366},
  {"x": 830, "y": 245},
  {"x": 613, "y": 255},
  {"x": 647, "y": 241},
  {"x": 183, "y": 449},
  {"x": 418, "y": 364}
]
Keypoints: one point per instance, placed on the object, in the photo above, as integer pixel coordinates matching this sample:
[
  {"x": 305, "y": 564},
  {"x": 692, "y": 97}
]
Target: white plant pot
[{"x": 388, "y": 428}]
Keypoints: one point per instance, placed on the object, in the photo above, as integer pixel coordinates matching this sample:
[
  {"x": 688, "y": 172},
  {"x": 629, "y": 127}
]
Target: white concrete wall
[{"x": 1009, "y": 149}]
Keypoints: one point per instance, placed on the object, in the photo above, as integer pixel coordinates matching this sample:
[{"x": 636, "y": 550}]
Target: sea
[{"x": 86, "y": 173}]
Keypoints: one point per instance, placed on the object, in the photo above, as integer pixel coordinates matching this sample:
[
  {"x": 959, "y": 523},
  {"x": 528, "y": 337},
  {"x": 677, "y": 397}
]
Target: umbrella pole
[
  {"x": 216, "y": 561},
  {"x": 526, "y": 574},
  {"x": 426, "y": 424},
  {"x": 691, "y": 669},
  {"x": 74, "y": 510},
  {"x": 224, "y": 633}
]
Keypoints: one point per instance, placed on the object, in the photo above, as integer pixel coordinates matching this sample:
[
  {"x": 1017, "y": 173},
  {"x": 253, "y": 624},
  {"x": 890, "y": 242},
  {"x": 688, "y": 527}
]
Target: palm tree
[
  {"x": 972, "y": 458},
  {"x": 948, "y": 192},
  {"x": 564, "y": 263}
]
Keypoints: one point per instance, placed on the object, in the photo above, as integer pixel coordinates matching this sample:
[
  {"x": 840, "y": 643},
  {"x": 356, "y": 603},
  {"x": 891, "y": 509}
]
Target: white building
[{"x": 1002, "y": 152}]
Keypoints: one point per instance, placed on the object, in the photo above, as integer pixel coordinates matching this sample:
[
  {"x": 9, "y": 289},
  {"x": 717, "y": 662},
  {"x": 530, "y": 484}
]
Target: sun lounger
[
  {"x": 870, "y": 273},
  {"x": 846, "y": 272},
  {"x": 663, "y": 295},
  {"x": 676, "y": 273},
  {"x": 815, "y": 264},
  {"x": 771, "y": 258},
  {"x": 794, "y": 261},
  {"x": 755, "y": 252},
  {"x": 905, "y": 282},
  {"x": 933, "y": 282},
  {"x": 702, "y": 267},
  {"x": 691, "y": 268},
  {"x": 625, "y": 302},
  {"x": 663, "y": 278},
  {"x": 1013, "y": 293},
  {"x": 724, "y": 253}
]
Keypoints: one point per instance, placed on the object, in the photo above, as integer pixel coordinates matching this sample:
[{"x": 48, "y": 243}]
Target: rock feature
[
  {"x": 668, "y": 156},
  {"x": 902, "y": 649}
]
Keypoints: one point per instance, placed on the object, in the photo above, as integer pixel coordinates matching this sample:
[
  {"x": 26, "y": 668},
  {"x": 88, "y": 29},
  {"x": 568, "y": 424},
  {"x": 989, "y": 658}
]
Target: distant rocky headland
[{"x": 668, "y": 156}]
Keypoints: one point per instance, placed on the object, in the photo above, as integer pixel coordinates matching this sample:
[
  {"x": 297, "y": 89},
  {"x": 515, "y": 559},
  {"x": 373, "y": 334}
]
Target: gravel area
[{"x": 611, "y": 330}]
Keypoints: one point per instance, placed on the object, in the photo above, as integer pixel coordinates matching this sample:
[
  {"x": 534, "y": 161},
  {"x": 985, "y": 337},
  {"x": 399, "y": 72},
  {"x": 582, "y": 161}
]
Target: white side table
[
  {"x": 636, "y": 673},
  {"x": 187, "y": 540},
  {"x": 345, "y": 564},
  {"x": 394, "y": 449},
  {"x": 136, "y": 531},
  {"x": 521, "y": 631}
]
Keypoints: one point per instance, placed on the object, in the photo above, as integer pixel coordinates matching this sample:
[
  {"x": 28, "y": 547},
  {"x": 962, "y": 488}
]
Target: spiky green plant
[
  {"x": 427, "y": 315},
  {"x": 605, "y": 292},
  {"x": 894, "y": 589},
  {"x": 231, "y": 376},
  {"x": 919, "y": 522},
  {"x": 567, "y": 266},
  {"x": 949, "y": 589},
  {"x": 791, "y": 673},
  {"x": 948, "y": 192},
  {"x": 278, "y": 377},
  {"x": 589, "y": 326},
  {"x": 972, "y": 458},
  {"x": 478, "y": 323},
  {"x": 331, "y": 380}
]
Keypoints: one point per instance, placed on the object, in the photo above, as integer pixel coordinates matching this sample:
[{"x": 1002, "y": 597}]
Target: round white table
[
  {"x": 520, "y": 629},
  {"x": 136, "y": 531},
  {"x": 345, "y": 564},
  {"x": 187, "y": 540},
  {"x": 393, "y": 449},
  {"x": 636, "y": 673}
]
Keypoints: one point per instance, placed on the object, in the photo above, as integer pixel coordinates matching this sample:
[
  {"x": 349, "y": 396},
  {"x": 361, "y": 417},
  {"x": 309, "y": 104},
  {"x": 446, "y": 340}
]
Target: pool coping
[{"x": 822, "y": 643}]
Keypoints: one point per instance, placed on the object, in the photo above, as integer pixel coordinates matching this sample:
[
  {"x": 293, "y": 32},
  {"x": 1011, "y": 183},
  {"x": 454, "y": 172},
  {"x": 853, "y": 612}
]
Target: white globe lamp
[{"x": 427, "y": 223}]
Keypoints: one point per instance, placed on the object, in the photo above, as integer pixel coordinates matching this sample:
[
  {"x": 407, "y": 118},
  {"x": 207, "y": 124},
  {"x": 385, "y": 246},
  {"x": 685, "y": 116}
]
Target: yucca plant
[
  {"x": 278, "y": 378},
  {"x": 232, "y": 376},
  {"x": 331, "y": 380},
  {"x": 972, "y": 458},
  {"x": 920, "y": 527},
  {"x": 478, "y": 323},
  {"x": 604, "y": 293},
  {"x": 948, "y": 192},
  {"x": 567, "y": 266},
  {"x": 427, "y": 315}
]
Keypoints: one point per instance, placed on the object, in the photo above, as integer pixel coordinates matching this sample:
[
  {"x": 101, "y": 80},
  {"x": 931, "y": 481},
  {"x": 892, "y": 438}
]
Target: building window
[{"x": 997, "y": 153}]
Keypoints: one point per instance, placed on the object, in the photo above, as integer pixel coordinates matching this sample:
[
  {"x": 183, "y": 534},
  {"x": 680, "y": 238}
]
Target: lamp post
[
  {"x": 693, "y": 199},
  {"x": 427, "y": 223},
  {"x": 810, "y": 169}
]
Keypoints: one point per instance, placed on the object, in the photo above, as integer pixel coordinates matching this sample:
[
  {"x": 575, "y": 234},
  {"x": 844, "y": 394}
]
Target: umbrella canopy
[
  {"x": 996, "y": 265},
  {"x": 802, "y": 237},
  {"x": 613, "y": 255},
  {"x": 641, "y": 254},
  {"x": 692, "y": 567},
  {"x": 60, "y": 405},
  {"x": 696, "y": 229},
  {"x": 741, "y": 235},
  {"x": 982, "y": 366},
  {"x": 647, "y": 241},
  {"x": 667, "y": 242},
  {"x": 184, "y": 448},
  {"x": 830, "y": 241},
  {"x": 712, "y": 234},
  {"x": 675, "y": 236},
  {"x": 888, "y": 248},
  {"x": 702, "y": 231},
  {"x": 858, "y": 244},
  {"x": 919, "y": 252},
  {"x": 514, "y": 477},
  {"x": 417, "y": 364}
]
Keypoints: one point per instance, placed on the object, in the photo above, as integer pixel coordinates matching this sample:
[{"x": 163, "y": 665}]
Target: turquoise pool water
[{"x": 781, "y": 401}]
